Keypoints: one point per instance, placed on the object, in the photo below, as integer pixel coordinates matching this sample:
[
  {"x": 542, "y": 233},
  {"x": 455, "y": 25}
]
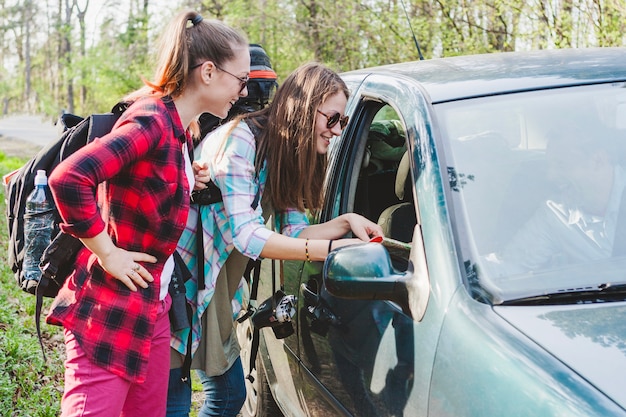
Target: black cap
[{"x": 258, "y": 58}]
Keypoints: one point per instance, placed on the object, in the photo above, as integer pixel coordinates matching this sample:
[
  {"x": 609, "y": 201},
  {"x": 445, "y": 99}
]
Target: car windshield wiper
[{"x": 580, "y": 295}]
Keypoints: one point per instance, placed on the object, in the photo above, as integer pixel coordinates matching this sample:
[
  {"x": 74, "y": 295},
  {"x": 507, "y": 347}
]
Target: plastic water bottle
[{"x": 38, "y": 227}]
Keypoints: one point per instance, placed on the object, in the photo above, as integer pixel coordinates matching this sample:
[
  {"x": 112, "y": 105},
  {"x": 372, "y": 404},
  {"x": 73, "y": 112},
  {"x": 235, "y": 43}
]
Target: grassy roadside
[{"x": 28, "y": 386}]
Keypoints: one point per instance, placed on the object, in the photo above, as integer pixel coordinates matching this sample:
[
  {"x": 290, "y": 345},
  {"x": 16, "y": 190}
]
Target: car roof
[{"x": 461, "y": 77}]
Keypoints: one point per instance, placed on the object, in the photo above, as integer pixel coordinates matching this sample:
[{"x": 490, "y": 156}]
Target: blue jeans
[
  {"x": 178, "y": 395},
  {"x": 224, "y": 395}
]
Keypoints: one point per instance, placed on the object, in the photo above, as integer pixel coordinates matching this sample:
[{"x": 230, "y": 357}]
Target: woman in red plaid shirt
[{"x": 126, "y": 196}]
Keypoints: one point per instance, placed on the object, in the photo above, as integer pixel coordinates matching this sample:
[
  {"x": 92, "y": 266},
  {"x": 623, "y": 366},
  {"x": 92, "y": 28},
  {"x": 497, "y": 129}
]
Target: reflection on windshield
[{"x": 538, "y": 179}]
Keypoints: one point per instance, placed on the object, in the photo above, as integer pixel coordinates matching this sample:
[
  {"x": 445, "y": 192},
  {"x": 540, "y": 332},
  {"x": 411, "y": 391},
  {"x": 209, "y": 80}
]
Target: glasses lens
[
  {"x": 332, "y": 120},
  {"x": 244, "y": 82}
]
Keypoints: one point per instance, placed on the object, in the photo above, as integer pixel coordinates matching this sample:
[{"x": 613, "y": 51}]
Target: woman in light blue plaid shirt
[{"x": 270, "y": 161}]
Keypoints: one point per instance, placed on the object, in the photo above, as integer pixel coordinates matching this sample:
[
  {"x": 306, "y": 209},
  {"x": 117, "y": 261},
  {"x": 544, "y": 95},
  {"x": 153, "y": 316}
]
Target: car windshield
[{"x": 537, "y": 180}]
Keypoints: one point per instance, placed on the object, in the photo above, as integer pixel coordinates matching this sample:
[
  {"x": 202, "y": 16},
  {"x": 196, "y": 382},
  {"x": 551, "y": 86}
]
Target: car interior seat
[
  {"x": 377, "y": 175},
  {"x": 399, "y": 220}
]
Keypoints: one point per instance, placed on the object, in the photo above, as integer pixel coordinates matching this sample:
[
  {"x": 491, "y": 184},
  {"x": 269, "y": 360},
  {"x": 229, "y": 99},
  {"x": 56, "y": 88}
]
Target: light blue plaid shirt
[{"x": 230, "y": 224}]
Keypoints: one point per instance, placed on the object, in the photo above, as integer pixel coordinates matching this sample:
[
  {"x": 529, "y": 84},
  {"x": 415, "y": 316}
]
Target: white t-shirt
[{"x": 166, "y": 275}]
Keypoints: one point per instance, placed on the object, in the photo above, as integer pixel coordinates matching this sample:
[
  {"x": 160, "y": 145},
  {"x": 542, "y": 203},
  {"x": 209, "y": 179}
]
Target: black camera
[
  {"x": 209, "y": 195},
  {"x": 276, "y": 312}
]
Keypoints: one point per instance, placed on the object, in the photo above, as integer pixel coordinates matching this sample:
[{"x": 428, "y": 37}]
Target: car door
[
  {"x": 340, "y": 338},
  {"x": 360, "y": 356}
]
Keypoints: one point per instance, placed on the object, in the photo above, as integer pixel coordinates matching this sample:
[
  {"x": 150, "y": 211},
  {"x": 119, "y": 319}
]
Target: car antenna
[{"x": 417, "y": 45}]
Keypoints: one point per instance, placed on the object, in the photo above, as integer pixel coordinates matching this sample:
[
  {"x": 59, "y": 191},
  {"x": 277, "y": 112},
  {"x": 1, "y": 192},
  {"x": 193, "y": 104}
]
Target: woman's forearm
[
  {"x": 332, "y": 229},
  {"x": 316, "y": 241},
  {"x": 301, "y": 249},
  {"x": 101, "y": 244},
  {"x": 338, "y": 227}
]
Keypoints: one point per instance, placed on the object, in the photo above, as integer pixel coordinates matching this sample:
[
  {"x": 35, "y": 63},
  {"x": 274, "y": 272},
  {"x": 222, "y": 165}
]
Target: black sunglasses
[
  {"x": 242, "y": 80},
  {"x": 332, "y": 120}
]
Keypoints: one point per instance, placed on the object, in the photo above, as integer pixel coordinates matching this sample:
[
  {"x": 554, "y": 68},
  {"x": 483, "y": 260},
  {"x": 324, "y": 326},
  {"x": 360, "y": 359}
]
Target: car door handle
[
  {"x": 310, "y": 297},
  {"x": 318, "y": 311}
]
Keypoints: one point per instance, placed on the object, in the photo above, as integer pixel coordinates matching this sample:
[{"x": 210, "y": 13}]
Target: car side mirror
[{"x": 364, "y": 272}]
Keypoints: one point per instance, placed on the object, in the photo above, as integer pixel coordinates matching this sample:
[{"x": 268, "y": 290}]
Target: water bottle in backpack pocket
[{"x": 38, "y": 230}]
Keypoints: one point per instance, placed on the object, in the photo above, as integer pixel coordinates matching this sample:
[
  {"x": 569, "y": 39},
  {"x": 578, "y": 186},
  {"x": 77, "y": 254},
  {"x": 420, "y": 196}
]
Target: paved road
[
  {"x": 24, "y": 135},
  {"x": 29, "y": 128}
]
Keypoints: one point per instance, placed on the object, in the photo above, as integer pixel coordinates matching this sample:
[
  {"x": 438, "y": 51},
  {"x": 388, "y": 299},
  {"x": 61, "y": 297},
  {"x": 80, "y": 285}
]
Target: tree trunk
[
  {"x": 27, "y": 61},
  {"x": 83, "y": 53},
  {"x": 66, "y": 53}
]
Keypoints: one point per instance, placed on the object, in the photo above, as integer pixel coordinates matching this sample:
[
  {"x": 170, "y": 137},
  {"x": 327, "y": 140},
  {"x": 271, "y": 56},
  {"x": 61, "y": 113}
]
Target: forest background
[{"x": 82, "y": 56}]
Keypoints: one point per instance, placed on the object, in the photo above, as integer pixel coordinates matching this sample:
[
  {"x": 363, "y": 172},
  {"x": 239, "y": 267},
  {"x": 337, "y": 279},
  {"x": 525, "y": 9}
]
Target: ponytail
[{"x": 189, "y": 39}]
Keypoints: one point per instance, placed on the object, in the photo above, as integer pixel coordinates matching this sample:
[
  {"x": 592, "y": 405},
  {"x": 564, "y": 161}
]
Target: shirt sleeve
[
  {"x": 73, "y": 182},
  {"x": 291, "y": 222},
  {"x": 230, "y": 153}
]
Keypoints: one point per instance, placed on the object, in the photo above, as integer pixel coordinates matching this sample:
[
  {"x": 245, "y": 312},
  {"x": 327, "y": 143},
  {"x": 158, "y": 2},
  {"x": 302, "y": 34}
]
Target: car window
[
  {"x": 383, "y": 191},
  {"x": 537, "y": 180}
]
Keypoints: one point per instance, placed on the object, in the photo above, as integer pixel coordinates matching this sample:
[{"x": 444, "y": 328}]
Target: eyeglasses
[
  {"x": 242, "y": 80},
  {"x": 332, "y": 120}
]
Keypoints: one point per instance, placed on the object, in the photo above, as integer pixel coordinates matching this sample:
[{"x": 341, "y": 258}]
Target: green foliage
[
  {"x": 9, "y": 163},
  {"x": 113, "y": 78},
  {"x": 344, "y": 34}
]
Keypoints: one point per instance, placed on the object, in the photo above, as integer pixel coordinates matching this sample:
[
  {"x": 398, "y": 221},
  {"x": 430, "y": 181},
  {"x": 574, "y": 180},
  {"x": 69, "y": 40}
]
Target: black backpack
[{"x": 57, "y": 260}]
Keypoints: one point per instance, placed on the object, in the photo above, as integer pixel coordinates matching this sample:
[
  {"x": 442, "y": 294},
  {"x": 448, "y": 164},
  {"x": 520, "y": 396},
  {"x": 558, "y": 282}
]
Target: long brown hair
[
  {"x": 295, "y": 170},
  {"x": 188, "y": 40}
]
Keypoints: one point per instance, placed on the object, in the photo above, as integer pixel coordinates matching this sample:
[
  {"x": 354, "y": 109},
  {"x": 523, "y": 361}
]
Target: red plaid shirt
[{"x": 144, "y": 201}]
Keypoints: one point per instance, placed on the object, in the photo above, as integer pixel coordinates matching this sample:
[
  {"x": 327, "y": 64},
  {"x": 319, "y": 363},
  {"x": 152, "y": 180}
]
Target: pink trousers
[{"x": 93, "y": 391}]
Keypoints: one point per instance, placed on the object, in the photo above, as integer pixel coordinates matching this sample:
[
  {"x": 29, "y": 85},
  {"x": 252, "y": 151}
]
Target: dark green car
[{"x": 501, "y": 289}]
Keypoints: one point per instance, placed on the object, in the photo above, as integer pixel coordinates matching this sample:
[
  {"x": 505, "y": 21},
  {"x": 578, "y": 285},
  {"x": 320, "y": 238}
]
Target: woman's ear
[{"x": 207, "y": 71}]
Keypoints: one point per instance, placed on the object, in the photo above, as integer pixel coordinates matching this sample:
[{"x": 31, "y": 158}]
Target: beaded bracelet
[{"x": 306, "y": 250}]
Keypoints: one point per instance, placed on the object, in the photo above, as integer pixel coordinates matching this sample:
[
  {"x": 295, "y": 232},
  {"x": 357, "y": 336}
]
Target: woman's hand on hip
[
  {"x": 120, "y": 263},
  {"x": 126, "y": 266}
]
